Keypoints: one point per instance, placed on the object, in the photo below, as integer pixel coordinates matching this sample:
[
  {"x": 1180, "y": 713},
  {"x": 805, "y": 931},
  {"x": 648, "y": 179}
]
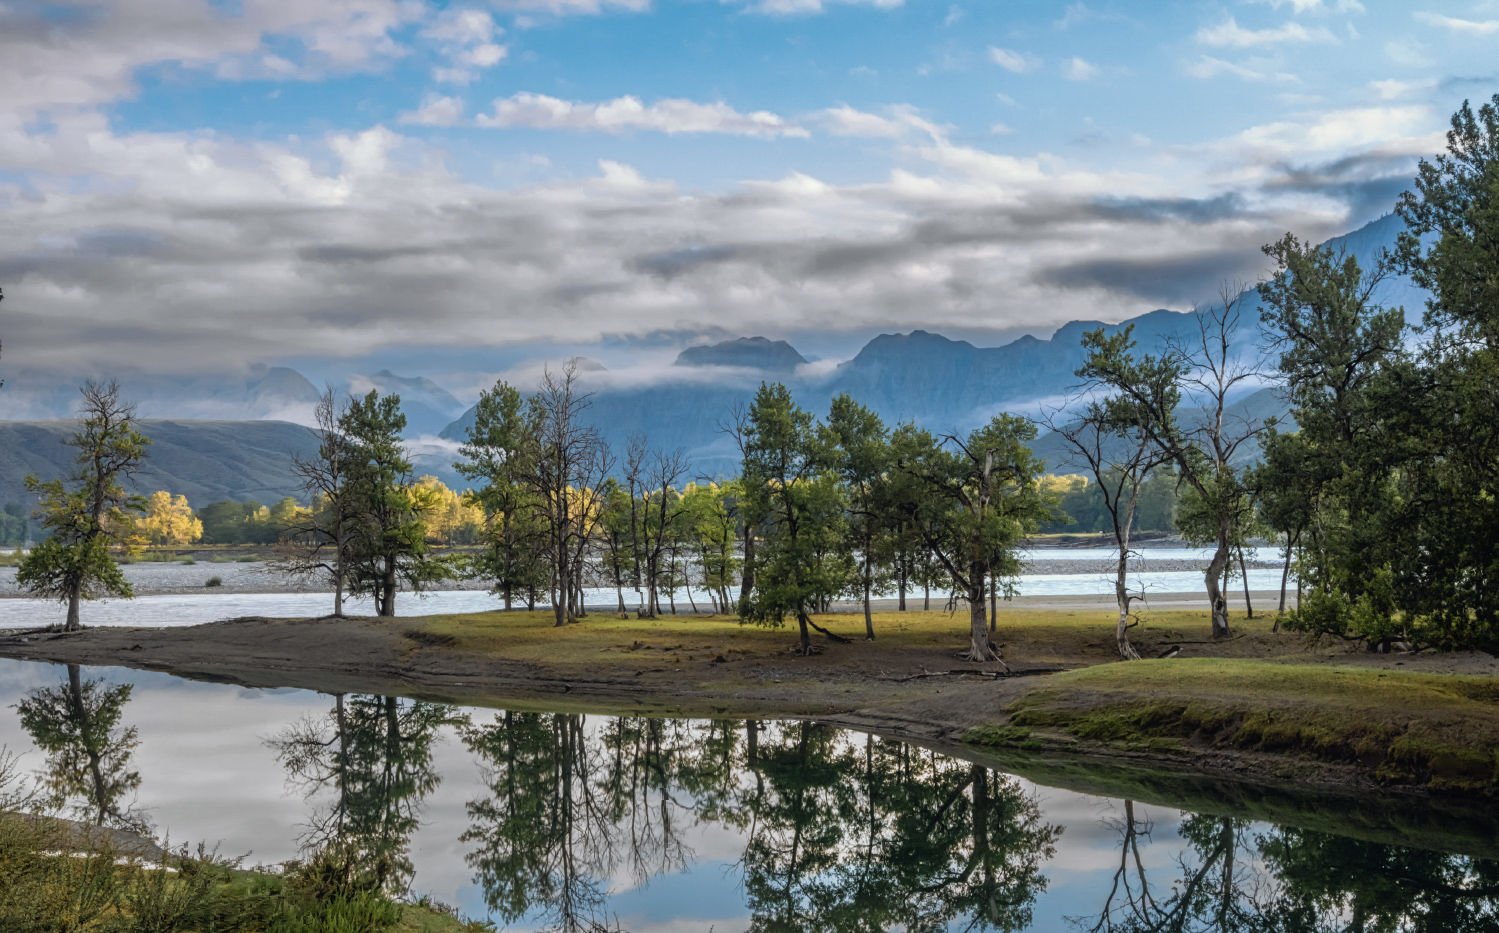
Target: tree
[
  {"x": 169, "y": 520},
  {"x": 973, "y": 500},
  {"x": 495, "y": 443},
  {"x": 90, "y": 509},
  {"x": 565, "y": 465},
  {"x": 389, "y": 534},
  {"x": 804, "y": 559},
  {"x": 1206, "y": 369},
  {"x": 1449, "y": 406},
  {"x": 319, "y": 543},
  {"x": 88, "y": 753},
  {"x": 858, "y": 446},
  {"x": 1117, "y": 451}
]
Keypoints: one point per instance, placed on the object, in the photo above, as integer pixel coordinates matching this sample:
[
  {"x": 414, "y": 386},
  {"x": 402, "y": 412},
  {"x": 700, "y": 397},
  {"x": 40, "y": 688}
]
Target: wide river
[
  {"x": 211, "y": 605},
  {"x": 545, "y": 821}
]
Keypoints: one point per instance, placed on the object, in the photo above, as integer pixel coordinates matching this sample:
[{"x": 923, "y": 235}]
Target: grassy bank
[
  {"x": 1436, "y": 730},
  {"x": 73, "y": 880}
]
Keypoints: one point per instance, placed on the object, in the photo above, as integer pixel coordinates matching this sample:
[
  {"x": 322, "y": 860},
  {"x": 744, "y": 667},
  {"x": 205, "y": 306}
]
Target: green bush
[{"x": 214, "y": 580}]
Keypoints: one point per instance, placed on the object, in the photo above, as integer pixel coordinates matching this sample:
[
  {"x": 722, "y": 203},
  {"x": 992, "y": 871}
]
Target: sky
[{"x": 449, "y": 189}]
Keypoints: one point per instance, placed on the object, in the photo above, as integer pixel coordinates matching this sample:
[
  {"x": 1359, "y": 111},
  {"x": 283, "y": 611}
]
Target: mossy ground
[{"x": 1440, "y": 730}]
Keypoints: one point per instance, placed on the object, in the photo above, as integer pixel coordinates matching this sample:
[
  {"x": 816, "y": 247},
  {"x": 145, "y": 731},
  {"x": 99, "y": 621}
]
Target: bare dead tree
[
  {"x": 666, "y": 469},
  {"x": 1116, "y": 449},
  {"x": 736, "y": 426},
  {"x": 317, "y": 546},
  {"x": 1206, "y": 369},
  {"x": 566, "y": 468}
]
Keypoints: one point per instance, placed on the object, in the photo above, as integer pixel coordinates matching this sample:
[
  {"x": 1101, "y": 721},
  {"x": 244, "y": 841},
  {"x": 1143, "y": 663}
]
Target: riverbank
[{"x": 1261, "y": 705}]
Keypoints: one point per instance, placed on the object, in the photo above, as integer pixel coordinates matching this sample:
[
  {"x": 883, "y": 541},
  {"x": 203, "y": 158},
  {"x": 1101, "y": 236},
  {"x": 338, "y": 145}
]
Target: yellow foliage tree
[
  {"x": 451, "y": 518},
  {"x": 169, "y": 520}
]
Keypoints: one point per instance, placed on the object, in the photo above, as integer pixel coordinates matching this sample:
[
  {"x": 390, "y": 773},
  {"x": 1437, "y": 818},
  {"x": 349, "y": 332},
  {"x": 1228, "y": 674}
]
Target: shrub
[{"x": 214, "y": 580}]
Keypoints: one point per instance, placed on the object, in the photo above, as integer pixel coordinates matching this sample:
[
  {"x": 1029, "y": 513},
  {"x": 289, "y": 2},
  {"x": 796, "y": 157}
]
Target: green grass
[{"x": 1437, "y": 730}]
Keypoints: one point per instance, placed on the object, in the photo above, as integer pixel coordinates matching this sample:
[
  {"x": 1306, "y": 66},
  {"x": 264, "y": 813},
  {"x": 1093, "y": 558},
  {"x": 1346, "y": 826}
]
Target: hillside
[{"x": 207, "y": 461}]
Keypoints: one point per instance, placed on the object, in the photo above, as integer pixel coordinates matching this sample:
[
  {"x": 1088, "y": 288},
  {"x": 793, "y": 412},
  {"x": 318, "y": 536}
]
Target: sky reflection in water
[{"x": 538, "y": 819}]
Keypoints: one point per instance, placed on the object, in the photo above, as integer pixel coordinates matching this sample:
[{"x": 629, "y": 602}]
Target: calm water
[{"x": 551, "y": 821}]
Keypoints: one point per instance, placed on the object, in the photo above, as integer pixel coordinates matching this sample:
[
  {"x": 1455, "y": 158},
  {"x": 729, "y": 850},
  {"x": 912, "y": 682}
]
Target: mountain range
[{"x": 940, "y": 383}]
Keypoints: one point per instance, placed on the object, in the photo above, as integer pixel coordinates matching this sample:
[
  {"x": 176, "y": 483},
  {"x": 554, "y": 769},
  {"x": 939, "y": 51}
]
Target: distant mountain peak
[{"x": 746, "y": 352}]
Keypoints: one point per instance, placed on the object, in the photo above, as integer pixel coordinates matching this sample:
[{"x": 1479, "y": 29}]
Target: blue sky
[{"x": 195, "y": 185}]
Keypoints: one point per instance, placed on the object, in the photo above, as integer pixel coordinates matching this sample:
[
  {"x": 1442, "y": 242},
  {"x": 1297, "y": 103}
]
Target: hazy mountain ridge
[{"x": 207, "y": 461}]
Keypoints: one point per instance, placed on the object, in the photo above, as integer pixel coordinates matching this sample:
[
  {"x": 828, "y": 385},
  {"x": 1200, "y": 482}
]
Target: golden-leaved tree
[{"x": 169, "y": 520}]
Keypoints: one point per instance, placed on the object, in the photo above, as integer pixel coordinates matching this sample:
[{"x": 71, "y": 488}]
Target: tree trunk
[
  {"x": 506, "y": 590},
  {"x": 1285, "y": 575},
  {"x": 993, "y": 603},
  {"x": 75, "y": 593},
  {"x": 388, "y": 608},
  {"x": 900, "y": 586},
  {"x": 747, "y": 578},
  {"x": 338, "y": 580},
  {"x": 559, "y": 597},
  {"x": 926, "y": 600},
  {"x": 1216, "y": 600},
  {"x": 868, "y": 583},
  {"x": 802, "y": 620},
  {"x": 531, "y": 597},
  {"x": 1244, "y": 572},
  {"x": 979, "y": 648},
  {"x": 1127, "y": 651}
]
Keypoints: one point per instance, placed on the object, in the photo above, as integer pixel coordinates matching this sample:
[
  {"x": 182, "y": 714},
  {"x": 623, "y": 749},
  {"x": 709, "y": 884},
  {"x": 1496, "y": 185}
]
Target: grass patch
[{"x": 1437, "y": 730}]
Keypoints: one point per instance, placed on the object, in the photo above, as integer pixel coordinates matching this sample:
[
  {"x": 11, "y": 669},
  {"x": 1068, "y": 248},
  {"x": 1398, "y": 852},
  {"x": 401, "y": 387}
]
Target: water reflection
[
  {"x": 88, "y": 773},
  {"x": 374, "y": 754},
  {"x": 563, "y": 821}
]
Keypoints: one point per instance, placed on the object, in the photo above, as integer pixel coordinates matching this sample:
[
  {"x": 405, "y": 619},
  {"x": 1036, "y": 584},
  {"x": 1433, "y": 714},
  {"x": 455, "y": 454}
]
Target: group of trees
[{"x": 1388, "y": 486}]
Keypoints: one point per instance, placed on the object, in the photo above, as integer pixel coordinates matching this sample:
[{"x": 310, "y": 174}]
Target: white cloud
[
  {"x": 1076, "y": 13},
  {"x": 1394, "y": 90},
  {"x": 1010, "y": 60},
  {"x": 87, "y": 60},
  {"x": 1316, "y": 6},
  {"x": 1209, "y": 67},
  {"x": 1000, "y": 129},
  {"x": 672, "y": 115},
  {"x": 1407, "y": 52},
  {"x": 435, "y": 110},
  {"x": 1076, "y": 69},
  {"x": 1467, "y": 26},
  {"x": 1229, "y": 34},
  {"x": 570, "y": 7},
  {"x": 802, "y": 7},
  {"x": 466, "y": 37},
  {"x": 846, "y": 121}
]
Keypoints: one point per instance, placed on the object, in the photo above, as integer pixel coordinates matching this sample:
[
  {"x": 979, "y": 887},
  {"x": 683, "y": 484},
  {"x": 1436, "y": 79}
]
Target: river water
[
  {"x": 210, "y": 605},
  {"x": 551, "y": 821}
]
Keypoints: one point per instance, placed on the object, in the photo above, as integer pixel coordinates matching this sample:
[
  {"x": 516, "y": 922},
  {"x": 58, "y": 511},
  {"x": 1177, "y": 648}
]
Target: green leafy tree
[
  {"x": 390, "y": 537},
  {"x": 858, "y": 446},
  {"x": 88, "y": 752},
  {"x": 495, "y": 443},
  {"x": 1450, "y": 408},
  {"x": 804, "y": 559},
  {"x": 974, "y": 499},
  {"x": 90, "y": 510}
]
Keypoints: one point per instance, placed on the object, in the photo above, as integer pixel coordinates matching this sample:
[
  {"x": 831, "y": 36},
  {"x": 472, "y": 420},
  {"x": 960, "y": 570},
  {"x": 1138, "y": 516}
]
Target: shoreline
[{"x": 1051, "y": 713}]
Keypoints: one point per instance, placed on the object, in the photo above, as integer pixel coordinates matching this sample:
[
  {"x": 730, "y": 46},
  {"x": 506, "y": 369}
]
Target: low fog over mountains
[{"x": 938, "y": 382}]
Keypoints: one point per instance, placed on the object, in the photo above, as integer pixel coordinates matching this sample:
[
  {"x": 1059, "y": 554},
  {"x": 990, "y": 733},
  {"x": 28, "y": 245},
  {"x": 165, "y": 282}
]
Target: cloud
[
  {"x": 1076, "y": 69},
  {"x": 1010, "y": 60},
  {"x": 672, "y": 115},
  {"x": 1394, "y": 90},
  {"x": 435, "y": 110},
  {"x": 1209, "y": 67},
  {"x": 466, "y": 37},
  {"x": 1316, "y": 6},
  {"x": 92, "y": 57},
  {"x": 1229, "y": 34},
  {"x": 901, "y": 119},
  {"x": 1466, "y": 26},
  {"x": 571, "y": 7},
  {"x": 802, "y": 7}
]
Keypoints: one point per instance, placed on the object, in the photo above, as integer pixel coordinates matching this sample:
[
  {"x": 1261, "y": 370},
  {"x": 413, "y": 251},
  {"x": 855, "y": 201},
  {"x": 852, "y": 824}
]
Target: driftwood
[{"x": 958, "y": 672}]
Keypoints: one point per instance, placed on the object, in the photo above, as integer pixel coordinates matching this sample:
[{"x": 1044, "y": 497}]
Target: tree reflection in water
[
  {"x": 373, "y": 754},
  {"x": 88, "y": 771},
  {"x": 1228, "y": 878},
  {"x": 840, "y": 835}
]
